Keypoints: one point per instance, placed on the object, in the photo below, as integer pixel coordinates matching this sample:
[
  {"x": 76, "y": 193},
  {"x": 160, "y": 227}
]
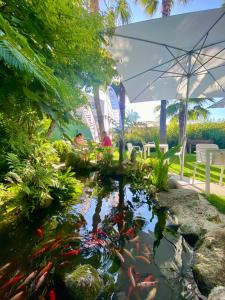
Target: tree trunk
[
  {"x": 162, "y": 127},
  {"x": 95, "y": 6},
  {"x": 98, "y": 108},
  {"x": 166, "y": 6},
  {"x": 101, "y": 127},
  {"x": 122, "y": 114},
  {"x": 181, "y": 121},
  {"x": 51, "y": 128}
]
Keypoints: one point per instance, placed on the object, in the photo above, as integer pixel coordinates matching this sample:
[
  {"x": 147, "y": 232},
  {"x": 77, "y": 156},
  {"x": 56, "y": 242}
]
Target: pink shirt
[{"x": 106, "y": 142}]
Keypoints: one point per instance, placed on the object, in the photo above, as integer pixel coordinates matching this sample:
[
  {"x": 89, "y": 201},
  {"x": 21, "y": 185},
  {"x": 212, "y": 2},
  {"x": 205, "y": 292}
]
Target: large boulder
[
  {"x": 218, "y": 293},
  {"x": 209, "y": 261},
  {"x": 84, "y": 283},
  {"x": 195, "y": 215}
]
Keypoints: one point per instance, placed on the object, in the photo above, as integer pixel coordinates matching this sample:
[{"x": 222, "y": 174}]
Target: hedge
[{"x": 205, "y": 130}]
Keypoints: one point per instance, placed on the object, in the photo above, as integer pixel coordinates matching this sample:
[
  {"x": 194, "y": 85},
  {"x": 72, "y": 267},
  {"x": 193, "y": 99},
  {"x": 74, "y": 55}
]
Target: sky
[{"x": 146, "y": 109}]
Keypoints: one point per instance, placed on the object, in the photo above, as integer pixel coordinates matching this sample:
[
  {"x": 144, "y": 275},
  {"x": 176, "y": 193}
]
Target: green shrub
[
  {"x": 62, "y": 148},
  {"x": 37, "y": 181}
]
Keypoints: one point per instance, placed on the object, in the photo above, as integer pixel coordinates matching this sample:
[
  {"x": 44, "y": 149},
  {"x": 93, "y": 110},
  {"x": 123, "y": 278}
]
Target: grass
[
  {"x": 200, "y": 173},
  {"x": 217, "y": 201}
]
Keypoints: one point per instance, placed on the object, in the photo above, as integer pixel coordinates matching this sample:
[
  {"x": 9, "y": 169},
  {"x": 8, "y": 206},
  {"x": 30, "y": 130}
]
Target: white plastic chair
[
  {"x": 130, "y": 147},
  {"x": 215, "y": 158}
]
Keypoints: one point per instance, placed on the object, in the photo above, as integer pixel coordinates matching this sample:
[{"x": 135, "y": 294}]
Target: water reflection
[{"x": 115, "y": 229}]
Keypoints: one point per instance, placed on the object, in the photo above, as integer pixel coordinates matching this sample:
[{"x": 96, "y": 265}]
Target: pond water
[{"x": 113, "y": 228}]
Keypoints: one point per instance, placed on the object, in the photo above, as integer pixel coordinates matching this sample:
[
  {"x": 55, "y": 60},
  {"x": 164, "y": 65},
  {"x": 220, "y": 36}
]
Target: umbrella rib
[
  {"x": 210, "y": 45},
  {"x": 203, "y": 64},
  {"x": 211, "y": 75},
  {"x": 159, "y": 77},
  {"x": 212, "y": 26},
  {"x": 192, "y": 68},
  {"x": 203, "y": 72},
  {"x": 150, "y": 42},
  {"x": 153, "y": 68},
  {"x": 171, "y": 53},
  {"x": 204, "y": 54}
]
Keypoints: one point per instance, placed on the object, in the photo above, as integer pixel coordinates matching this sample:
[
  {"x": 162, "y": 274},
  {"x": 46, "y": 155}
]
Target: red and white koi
[
  {"x": 145, "y": 259},
  {"x": 148, "y": 278},
  {"x": 120, "y": 256},
  {"x": 40, "y": 281},
  {"x": 52, "y": 295},
  {"x": 47, "y": 269},
  {"x": 40, "y": 251},
  {"x": 147, "y": 284},
  {"x": 11, "y": 281},
  {"x": 27, "y": 280},
  {"x": 131, "y": 276},
  {"x": 18, "y": 296},
  {"x": 152, "y": 294},
  {"x": 72, "y": 252}
]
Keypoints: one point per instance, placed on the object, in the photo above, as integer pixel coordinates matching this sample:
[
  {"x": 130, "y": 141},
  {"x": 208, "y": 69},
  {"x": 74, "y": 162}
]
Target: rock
[
  {"x": 84, "y": 283},
  {"x": 172, "y": 184},
  {"x": 209, "y": 261},
  {"x": 194, "y": 213},
  {"x": 218, "y": 293}
]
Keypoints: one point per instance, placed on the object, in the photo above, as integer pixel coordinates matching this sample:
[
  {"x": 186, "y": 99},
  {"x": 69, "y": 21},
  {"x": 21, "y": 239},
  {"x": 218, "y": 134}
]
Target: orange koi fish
[
  {"x": 72, "y": 252},
  {"x": 120, "y": 256},
  {"x": 128, "y": 253},
  {"x": 46, "y": 269},
  {"x": 18, "y": 296},
  {"x": 11, "y": 281},
  {"x": 6, "y": 266},
  {"x": 40, "y": 281},
  {"x": 131, "y": 276},
  {"x": 145, "y": 259},
  {"x": 40, "y": 251},
  {"x": 147, "y": 284}
]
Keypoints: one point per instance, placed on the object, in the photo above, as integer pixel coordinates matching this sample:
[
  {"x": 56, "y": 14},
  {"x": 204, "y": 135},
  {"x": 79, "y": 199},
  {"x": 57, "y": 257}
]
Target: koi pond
[{"x": 114, "y": 243}]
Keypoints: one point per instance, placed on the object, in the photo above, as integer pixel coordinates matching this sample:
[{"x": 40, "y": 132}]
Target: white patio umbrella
[{"x": 175, "y": 57}]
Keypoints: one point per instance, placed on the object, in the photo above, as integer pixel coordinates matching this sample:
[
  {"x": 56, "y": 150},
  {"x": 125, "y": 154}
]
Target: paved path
[{"x": 199, "y": 186}]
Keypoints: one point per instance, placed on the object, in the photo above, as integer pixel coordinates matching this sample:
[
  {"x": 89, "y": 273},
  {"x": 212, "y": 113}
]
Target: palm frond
[
  {"x": 150, "y": 6},
  {"x": 123, "y": 11}
]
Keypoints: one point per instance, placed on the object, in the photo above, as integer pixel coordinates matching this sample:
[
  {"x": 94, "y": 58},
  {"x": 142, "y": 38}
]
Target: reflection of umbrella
[
  {"x": 219, "y": 104},
  {"x": 175, "y": 57}
]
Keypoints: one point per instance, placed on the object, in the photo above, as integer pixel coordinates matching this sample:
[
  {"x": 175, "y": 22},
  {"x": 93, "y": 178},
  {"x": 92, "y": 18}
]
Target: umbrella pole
[{"x": 184, "y": 141}]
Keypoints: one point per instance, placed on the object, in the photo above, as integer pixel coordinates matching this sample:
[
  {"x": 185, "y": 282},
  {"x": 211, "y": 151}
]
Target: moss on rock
[{"x": 84, "y": 283}]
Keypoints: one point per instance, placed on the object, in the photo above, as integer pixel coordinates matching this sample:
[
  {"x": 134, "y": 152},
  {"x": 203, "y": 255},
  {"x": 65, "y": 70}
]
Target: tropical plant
[
  {"x": 196, "y": 110},
  {"x": 161, "y": 166},
  {"x": 37, "y": 181},
  {"x": 151, "y": 7},
  {"x": 63, "y": 148}
]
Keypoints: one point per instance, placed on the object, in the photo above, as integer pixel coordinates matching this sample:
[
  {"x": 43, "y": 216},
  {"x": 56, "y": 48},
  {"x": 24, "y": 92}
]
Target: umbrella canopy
[
  {"x": 175, "y": 57},
  {"x": 166, "y": 58},
  {"x": 219, "y": 104}
]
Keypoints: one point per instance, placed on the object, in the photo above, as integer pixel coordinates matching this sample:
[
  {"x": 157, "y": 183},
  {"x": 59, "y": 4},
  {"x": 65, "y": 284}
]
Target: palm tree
[
  {"x": 119, "y": 10},
  {"x": 150, "y": 7},
  {"x": 176, "y": 111}
]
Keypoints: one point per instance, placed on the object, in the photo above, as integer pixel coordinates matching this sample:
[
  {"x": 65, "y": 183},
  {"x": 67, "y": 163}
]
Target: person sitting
[
  {"x": 106, "y": 141},
  {"x": 79, "y": 141}
]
